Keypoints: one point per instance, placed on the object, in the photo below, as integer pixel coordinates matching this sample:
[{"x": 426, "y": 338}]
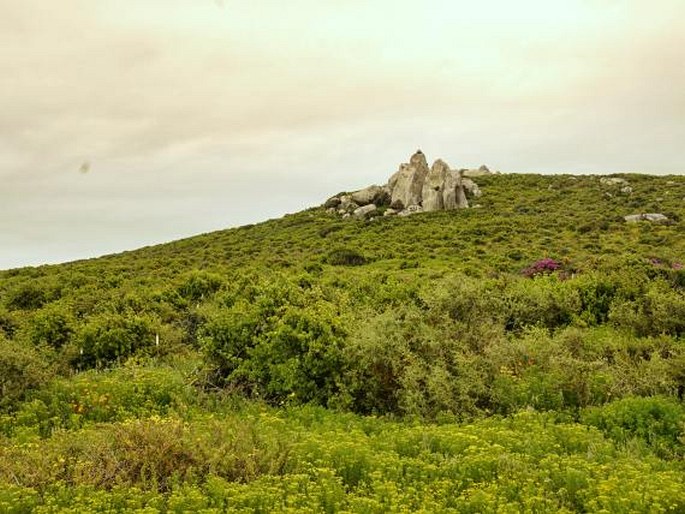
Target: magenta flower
[{"x": 541, "y": 267}]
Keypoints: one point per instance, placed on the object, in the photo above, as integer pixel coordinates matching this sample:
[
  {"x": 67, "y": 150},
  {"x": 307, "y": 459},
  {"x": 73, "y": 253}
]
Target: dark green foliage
[
  {"x": 285, "y": 345},
  {"x": 22, "y": 369},
  {"x": 27, "y": 296},
  {"x": 345, "y": 257}
]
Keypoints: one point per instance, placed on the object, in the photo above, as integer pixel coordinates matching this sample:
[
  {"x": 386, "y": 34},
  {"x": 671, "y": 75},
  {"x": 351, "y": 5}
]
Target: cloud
[{"x": 249, "y": 109}]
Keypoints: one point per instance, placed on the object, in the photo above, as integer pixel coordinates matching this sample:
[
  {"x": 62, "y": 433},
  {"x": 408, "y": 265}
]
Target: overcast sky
[{"x": 131, "y": 122}]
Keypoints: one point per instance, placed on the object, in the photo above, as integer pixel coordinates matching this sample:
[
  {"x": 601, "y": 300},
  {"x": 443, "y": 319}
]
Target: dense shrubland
[{"x": 527, "y": 355}]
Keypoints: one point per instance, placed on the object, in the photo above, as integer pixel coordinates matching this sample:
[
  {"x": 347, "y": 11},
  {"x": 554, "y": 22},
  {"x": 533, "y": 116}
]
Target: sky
[{"x": 135, "y": 122}]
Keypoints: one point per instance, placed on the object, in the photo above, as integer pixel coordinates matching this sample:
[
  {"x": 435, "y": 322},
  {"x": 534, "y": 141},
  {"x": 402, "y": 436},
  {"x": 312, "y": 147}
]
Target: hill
[{"x": 526, "y": 354}]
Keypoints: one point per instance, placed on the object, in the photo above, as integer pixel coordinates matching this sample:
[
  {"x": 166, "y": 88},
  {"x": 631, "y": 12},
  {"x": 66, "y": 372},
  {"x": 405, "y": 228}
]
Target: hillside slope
[{"x": 526, "y": 354}]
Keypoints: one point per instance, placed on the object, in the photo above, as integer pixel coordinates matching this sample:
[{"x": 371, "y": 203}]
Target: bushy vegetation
[{"x": 524, "y": 356}]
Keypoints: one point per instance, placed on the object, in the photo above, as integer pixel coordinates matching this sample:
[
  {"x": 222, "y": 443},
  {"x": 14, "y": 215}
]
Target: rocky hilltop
[{"x": 413, "y": 188}]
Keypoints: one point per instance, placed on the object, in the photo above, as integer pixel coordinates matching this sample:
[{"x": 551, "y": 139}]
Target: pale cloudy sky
[{"x": 195, "y": 115}]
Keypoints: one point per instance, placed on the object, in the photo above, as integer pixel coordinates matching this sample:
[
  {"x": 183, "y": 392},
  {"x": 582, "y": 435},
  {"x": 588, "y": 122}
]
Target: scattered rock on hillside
[
  {"x": 653, "y": 216},
  {"x": 613, "y": 181},
  {"x": 626, "y": 190}
]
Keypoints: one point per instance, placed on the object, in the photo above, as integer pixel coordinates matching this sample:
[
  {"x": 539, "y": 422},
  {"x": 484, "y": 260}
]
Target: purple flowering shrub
[{"x": 541, "y": 267}]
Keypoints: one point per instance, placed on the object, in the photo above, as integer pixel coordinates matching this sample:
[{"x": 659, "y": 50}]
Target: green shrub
[
  {"x": 22, "y": 369},
  {"x": 110, "y": 338},
  {"x": 283, "y": 345},
  {"x": 199, "y": 285},
  {"x": 52, "y": 326},
  {"x": 544, "y": 301}
]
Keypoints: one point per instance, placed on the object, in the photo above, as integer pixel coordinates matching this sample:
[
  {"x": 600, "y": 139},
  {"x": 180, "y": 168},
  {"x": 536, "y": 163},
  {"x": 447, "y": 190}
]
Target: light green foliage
[
  {"x": 307, "y": 460},
  {"x": 91, "y": 397}
]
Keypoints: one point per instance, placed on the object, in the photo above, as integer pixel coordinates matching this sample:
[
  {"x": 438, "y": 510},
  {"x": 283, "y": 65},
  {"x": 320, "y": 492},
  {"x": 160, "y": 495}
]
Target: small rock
[
  {"x": 412, "y": 209},
  {"x": 347, "y": 204},
  {"x": 389, "y": 212},
  {"x": 626, "y": 190}
]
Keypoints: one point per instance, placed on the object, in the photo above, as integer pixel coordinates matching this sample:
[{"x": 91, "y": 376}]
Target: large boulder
[
  {"x": 332, "y": 202},
  {"x": 373, "y": 194},
  {"x": 434, "y": 186},
  {"x": 363, "y": 212},
  {"x": 406, "y": 186}
]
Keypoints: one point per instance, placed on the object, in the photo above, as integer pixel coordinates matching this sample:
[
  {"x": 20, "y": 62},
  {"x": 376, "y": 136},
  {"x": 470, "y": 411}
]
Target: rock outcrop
[{"x": 413, "y": 188}]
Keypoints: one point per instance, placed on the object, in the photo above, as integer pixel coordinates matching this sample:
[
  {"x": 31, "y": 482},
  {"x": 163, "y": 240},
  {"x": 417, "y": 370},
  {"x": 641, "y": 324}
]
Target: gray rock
[
  {"x": 472, "y": 188},
  {"x": 476, "y": 172},
  {"x": 626, "y": 190},
  {"x": 651, "y": 216},
  {"x": 389, "y": 212},
  {"x": 363, "y": 212}
]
